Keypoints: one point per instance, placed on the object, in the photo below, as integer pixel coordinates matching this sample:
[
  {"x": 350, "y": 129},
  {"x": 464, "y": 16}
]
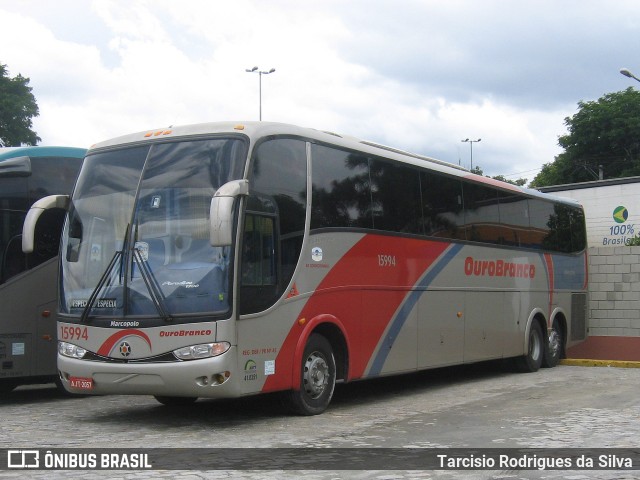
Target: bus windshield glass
[{"x": 137, "y": 238}]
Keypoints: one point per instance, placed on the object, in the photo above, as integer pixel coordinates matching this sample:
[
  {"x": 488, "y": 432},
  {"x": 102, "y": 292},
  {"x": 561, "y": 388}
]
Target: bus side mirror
[
  {"x": 221, "y": 211},
  {"x": 37, "y": 209}
]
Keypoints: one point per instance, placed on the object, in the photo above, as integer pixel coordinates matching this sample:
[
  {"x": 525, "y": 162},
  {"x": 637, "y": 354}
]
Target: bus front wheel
[
  {"x": 317, "y": 379},
  {"x": 7, "y": 386},
  {"x": 532, "y": 360}
]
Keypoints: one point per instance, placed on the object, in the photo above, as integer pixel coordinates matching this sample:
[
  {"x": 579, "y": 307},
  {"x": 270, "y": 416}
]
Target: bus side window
[
  {"x": 47, "y": 236},
  {"x": 258, "y": 274},
  {"x": 258, "y": 252},
  {"x": 14, "y": 261},
  {"x": 75, "y": 237}
]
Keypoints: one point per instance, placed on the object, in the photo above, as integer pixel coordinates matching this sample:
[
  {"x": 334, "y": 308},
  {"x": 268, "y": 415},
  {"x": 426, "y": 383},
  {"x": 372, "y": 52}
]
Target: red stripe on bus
[
  {"x": 362, "y": 291},
  {"x": 107, "y": 346}
]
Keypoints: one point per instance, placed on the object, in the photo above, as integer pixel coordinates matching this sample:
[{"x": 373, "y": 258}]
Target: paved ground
[{"x": 481, "y": 406}]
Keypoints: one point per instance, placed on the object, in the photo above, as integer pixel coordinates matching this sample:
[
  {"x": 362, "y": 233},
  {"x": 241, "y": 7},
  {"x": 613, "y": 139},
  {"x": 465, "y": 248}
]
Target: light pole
[
  {"x": 627, "y": 73},
  {"x": 471, "y": 142},
  {"x": 260, "y": 73}
]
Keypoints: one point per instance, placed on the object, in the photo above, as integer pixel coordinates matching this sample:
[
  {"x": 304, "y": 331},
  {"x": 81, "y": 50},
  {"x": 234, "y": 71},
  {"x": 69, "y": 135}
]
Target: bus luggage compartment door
[{"x": 15, "y": 355}]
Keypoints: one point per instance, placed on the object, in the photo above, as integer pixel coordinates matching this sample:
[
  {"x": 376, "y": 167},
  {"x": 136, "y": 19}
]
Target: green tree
[
  {"x": 17, "y": 107},
  {"x": 519, "y": 182},
  {"x": 604, "y": 133}
]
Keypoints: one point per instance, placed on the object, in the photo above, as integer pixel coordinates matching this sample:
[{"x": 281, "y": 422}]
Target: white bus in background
[
  {"x": 223, "y": 260},
  {"x": 28, "y": 282}
]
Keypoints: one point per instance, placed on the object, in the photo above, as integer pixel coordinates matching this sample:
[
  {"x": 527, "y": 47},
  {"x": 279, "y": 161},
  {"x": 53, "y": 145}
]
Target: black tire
[
  {"x": 532, "y": 360},
  {"x": 61, "y": 389},
  {"x": 553, "y": 347},
  {"x": 175, "y": 401},
  {"x": 7, "y": 386},
  {"x": 317, "y": 379}
]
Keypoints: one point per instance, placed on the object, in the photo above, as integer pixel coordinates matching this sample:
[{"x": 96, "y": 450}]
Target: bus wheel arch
[
  {"x": 312, "y": 392},
  {"x": 338, "y": 342},
  {"x": 555, "y": 341},
  {"x": 535, "y": 343},
  {"x": 321, "y": 359}
]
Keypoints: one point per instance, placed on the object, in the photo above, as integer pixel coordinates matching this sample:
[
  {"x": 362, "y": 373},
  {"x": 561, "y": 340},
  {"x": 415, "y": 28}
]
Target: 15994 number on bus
[
  {"x": 74, "y": 333},
  {"x": 386, "y": 260}
]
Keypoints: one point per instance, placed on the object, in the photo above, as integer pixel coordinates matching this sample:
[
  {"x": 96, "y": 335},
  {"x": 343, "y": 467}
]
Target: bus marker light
[
  {"x": 302, "y": 321},
  {"x": 157, "y": 133},
  {"x": 239, "y": 127},
  {"x": 459, "y": 314}
]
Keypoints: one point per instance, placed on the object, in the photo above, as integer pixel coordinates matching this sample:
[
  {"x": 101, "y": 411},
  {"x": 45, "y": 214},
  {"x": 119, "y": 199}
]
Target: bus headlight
[
  {"x": 71, "y": 350},
  {"x": 204, "y": 350}
]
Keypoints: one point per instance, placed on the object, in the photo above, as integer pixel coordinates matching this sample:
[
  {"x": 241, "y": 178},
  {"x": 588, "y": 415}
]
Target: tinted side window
[
  {"x": 52, "y": 175},
  {"x": 539, "y": 214},
  {"x": 13, "y": 261},
  {"x": 395, "y": 192},
  {"x": 578, "y": 230},
  {"x": 561, "y": 234},
  {"x": 514, "y": 217},
  {"x": 13, "y": 207},
  {"x": 279, "y": 170},
  {"x": 481, "y": 214},
  {"x": 441, "y": 206},
  {"x": 341, "y": 196},
  {"x": 274, "y": 222}
]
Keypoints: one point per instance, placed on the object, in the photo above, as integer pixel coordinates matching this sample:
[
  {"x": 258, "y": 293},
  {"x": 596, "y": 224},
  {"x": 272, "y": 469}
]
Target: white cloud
[{"x": 419, "y": 75}]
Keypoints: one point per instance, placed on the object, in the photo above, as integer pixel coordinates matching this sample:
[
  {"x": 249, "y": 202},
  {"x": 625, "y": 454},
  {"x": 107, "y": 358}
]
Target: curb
[{"x": 577, "y": 362}]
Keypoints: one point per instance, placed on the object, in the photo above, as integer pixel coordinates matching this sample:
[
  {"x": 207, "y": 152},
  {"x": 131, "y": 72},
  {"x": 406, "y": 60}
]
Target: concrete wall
[
  {"x": 614, "y": 305},
  {"x": 614, "y": 291}
]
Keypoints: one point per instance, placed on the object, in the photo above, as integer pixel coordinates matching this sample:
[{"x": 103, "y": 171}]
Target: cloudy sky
[{"x": 419, "y": 75}]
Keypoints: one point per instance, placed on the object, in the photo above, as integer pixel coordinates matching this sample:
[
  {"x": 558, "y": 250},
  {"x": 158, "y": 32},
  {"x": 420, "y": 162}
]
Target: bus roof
[
  {"x": 35, "y": 152},
  {"x": 256, "y": 130}
]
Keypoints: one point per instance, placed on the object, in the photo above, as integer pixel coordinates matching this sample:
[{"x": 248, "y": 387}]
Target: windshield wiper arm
[
  {"x": 153, "y": 288},
  {"x": 101, "y": 283}
]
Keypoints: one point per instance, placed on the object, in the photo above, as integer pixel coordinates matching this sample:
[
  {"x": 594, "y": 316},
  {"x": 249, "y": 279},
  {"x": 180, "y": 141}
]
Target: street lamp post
[
  {"x": 260, "y": 73},
  {"x": 471, "y": 142},
  {"x": 627, "y": 73}
]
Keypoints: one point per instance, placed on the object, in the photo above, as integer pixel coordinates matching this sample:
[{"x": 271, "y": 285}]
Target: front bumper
[{"x": 213, "y": 377}]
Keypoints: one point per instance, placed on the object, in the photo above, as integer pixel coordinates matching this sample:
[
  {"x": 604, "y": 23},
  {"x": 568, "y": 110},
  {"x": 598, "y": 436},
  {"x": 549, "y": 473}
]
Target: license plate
[{"x": 81, "y": 383}]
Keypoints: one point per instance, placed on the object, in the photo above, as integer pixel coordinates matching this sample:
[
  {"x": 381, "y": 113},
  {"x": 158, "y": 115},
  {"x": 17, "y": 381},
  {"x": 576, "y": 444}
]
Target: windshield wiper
[
  {"x": 153, "y": 288},
  {"x": 101, "y": 283}
]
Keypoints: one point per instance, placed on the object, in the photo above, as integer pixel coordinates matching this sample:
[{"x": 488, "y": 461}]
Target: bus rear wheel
[
  {"x": 532, "y": 360},
  {"x": 554, "y": 347},
  {"x": 317, "y": 379}
]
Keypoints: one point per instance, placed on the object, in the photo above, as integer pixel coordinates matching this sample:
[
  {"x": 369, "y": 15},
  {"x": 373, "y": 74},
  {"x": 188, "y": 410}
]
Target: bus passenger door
[{"x": 441, "y": 323}]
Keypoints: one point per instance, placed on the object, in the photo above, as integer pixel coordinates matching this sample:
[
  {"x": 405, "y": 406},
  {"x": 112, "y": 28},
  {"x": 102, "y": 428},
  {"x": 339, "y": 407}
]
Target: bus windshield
[{"x": 137, "y": 238}]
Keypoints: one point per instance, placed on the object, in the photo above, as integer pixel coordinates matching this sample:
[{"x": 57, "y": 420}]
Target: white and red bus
[{"x": 223, "y": 260}]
